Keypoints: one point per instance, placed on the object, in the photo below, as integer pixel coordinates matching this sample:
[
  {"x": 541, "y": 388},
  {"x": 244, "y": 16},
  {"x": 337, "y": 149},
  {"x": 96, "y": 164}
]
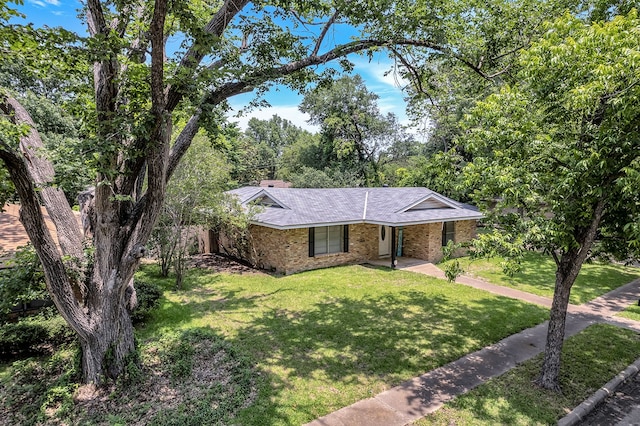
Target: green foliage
[
  {"x": 7, "y": 190},
  {"x": 265, "y": 149},
  {"x": 35, "y": 334},
  {"x": 548, "y": 150},
  {"x": 133, "y": 374},
  {"x": 453, "y": 270},
  {"x": 193, "y": 198},
  {"x": 23, "y": 281},
  {"x": 354, "y": 134},
  {"x": 41, "y": 390},
  {"x": 440, "y": 172},
  {"x": 148, "y": 295},
  {"x": 309, "y": 177},
  {"x": 487, "y": 36}
]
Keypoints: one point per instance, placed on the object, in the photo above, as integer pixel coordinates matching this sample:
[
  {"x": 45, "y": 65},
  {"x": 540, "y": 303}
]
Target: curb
[{"x": 582, "y": 411}]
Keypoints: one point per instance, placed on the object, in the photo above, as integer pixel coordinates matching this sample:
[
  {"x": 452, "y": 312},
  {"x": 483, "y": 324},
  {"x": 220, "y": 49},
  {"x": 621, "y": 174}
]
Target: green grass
[
  {"x": 632, "y": 312},
  {"x": 538, "y": 276},
  {"x": 325, "y": 339},
  {"x": 512, "y": 399}
]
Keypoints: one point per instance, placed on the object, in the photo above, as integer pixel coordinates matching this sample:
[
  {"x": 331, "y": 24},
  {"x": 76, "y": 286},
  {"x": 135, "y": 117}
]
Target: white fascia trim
[
  {"x": 371, "y": 222},
  {"x": 364, "y": 211},
  {"x": 422, "y": 222},
  {"x": 434, "y": 195},
  {"x": 306, "y": 225}
]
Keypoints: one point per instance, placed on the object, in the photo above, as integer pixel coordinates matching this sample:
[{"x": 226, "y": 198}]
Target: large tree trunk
[
  {"x": 105, "y": 351},
  {"x": 568, "y": 268},
  {"x": 565, "y": 277}
]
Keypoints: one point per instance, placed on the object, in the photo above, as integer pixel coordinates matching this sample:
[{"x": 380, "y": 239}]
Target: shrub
[
  {"x": 148, "y": 295},
  {"x": 36, "y": 333},
  {"x": 22, "y": 336},
  {"x": 24, "y": 281}
]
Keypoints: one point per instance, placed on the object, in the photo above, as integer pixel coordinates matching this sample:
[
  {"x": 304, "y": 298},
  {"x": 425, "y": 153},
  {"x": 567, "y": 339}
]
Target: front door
[{"x": 384, "y": 238}]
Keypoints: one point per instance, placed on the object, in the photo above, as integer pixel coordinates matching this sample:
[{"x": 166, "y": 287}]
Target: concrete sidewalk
[{"x": 422, "y": 395}]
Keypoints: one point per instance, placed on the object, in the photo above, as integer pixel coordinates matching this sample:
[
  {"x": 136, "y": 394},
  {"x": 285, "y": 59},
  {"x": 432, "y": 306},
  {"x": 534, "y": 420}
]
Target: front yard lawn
[
  {"x": 632, "y": 312},
  {"x": 538, "y": 276},
  {"x": 325, "y": 339},
  {"x": 511, "y": 399}
]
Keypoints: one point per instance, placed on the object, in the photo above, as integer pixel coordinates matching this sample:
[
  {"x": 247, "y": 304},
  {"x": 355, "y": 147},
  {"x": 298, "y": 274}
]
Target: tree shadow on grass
[
  {"x": 390, "y": 338},
  {"x": 176, "y": 314},
  {"x": 595, "y": 278}
]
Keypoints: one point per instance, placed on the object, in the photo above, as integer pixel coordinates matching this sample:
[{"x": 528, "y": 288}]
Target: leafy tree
[
  {"x": 354, "y": 132},
  {"x": 559, "y": 154},
  {"x": 263, "y": 145},
  {"x": 309, "y": 177},
  {"x": 141, "y": 94},
  {"x": 193, "y": 200},
  {"x": 305, "y": 152},
  {"x": 61, "y": 136},
  {"x": 491, "y": 32},
  {"x": 440, "y": 172}
]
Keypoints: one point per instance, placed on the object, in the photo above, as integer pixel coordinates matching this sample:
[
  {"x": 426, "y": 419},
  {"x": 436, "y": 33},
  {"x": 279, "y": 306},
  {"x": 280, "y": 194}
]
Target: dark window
[
  {"x": 448, "y": 232},
  {"x": 328, "y": 239}
]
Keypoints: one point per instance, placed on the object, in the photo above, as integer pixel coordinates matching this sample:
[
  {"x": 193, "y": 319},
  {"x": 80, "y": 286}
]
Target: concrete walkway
[{"x": 422, "y": 395}]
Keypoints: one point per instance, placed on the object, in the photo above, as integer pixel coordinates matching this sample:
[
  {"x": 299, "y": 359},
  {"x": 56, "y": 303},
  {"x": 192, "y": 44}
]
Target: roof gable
[
  {"x": 430, "y": 202},
  {"x": 265, "y": 199}
]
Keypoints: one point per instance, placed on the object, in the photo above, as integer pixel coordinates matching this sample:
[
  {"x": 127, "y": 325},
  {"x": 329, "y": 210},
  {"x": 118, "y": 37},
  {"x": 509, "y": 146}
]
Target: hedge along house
[{"x": 299, "y": 229}]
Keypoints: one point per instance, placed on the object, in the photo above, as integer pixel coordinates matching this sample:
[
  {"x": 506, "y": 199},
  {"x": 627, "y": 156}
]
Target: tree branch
[
  {"x": 415, "y": 75},
  {"x": 42, "y": 174},
  {"x": 323, "y": 33},
  {"x": 196, "y": 52},
  {"x": 31, "y": 216}
]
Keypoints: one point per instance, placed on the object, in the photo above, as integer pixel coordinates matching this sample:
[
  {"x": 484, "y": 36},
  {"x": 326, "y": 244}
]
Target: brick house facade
[
  {"x": 286, "y": 251},
  {"x": 279, "y": 241}
]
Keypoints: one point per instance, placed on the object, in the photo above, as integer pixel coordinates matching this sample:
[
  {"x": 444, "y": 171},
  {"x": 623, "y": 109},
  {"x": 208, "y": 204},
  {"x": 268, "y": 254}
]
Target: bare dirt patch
[{"x": 218, "y": 263}]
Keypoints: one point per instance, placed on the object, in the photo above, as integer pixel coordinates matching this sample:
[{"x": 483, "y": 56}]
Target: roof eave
[{"x": 367, "y": 221}]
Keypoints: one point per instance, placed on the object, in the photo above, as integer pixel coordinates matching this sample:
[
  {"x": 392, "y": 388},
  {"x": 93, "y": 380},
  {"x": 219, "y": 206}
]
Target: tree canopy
[{"x": 556, "y": 161}]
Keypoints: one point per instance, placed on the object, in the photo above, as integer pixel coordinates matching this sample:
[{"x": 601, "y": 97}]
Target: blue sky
[{"x": 283, "y": 102}]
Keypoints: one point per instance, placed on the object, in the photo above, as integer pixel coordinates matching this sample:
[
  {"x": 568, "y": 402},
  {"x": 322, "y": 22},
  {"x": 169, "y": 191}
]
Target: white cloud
[
  {"x": 288, "y": 112},
  {"x": 45, "y": 3}
]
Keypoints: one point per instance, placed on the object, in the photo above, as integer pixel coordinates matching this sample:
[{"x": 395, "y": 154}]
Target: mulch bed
[{"x": 219, "y": 263}]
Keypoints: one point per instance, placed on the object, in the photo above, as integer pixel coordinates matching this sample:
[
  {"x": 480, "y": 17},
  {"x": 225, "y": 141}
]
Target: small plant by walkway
[
  {"x": 538, "y": 276},
  {"x": 590, "y": 359}
]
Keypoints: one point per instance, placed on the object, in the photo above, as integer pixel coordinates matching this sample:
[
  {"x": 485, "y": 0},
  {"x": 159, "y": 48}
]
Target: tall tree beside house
[
  {"x": 446, "y": 89},
  {"x": 134, "y": 132},
  {"x": 562, "y": 148},
  {"x": 193, "y": 201}
]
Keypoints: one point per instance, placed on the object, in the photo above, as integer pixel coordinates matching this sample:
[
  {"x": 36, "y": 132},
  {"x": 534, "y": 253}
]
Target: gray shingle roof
[{"x": 302, "y": 207}]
